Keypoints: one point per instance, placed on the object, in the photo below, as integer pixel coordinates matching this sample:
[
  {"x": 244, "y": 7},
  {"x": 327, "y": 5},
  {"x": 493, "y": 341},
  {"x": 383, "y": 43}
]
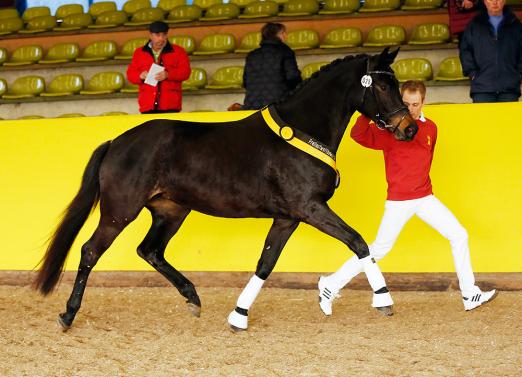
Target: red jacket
[
  {"x": 167, "y": 94},
  {"x": 407, "y": 163}
]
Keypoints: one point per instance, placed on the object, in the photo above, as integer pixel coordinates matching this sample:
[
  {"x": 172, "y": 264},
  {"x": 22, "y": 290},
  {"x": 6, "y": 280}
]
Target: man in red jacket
[
  {"x": 407, "y": 166},
  {"x": 162, "y": 94}
]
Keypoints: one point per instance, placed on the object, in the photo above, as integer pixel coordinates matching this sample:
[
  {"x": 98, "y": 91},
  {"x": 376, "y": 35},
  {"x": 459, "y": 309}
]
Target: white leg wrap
[
  {"x": 373, "y": 273},
  {"x": 245, "y": 301},
  {"x": 250, "y": 292},
  {"x": 382, "y": 299}
]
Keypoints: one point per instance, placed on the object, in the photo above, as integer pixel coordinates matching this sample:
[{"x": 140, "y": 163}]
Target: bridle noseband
[{"x": 381, "y": 119}]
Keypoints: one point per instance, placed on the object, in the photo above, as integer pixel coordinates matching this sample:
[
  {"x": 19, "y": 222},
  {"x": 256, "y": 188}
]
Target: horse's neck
[{"x": 324, "y": 118}]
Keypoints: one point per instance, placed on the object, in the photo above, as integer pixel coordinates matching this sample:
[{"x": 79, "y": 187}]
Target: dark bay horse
[{"x": 277, "y": 163}]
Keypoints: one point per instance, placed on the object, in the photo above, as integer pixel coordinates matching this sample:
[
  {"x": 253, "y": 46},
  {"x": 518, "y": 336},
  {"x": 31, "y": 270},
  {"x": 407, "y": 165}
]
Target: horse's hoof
[
  {"x": 238, "y": 322},
  {"x": 64, "y": 326},
  {"x": 235, "y": 329},
  {"x": 386, "y": 310},
  {"x": 194, "y": 309}
]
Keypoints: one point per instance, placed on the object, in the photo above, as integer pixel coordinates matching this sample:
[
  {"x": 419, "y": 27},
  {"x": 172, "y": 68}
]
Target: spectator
[
  {"x": 491, "y": 53},
  {"x": 270, "y": 70},
  {"x": 460, "y": 13},
  {"x": 409, "y": 193},
  {"x": 165, "y": 95}
]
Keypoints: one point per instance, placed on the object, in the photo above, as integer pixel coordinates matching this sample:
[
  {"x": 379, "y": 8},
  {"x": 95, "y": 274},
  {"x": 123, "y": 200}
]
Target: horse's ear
[{"x": 386, "y": 57}]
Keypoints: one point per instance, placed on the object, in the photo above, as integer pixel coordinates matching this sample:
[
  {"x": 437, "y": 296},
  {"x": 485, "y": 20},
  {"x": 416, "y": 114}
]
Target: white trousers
[{"x": 396, "y": 215}]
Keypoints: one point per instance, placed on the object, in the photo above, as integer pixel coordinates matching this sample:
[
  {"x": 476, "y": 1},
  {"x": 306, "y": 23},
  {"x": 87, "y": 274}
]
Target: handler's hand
[
  {"x": 143, "y": 75},
  {"x": 160, "y": 76}
]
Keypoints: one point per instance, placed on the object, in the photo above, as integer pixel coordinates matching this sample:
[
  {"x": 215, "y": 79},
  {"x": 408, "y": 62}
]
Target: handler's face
[
  {"x": 414, "y": 102},
  {"x": 494, "y": 7},
  {"x": 159, "y": 40}
]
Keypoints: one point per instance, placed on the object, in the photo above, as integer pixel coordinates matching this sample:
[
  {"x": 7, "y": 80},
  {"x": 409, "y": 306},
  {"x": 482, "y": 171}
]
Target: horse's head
[{"x": 381, "y": 98}]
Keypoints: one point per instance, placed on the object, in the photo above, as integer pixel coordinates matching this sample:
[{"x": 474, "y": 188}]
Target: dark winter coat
[
  {"x": 167, "y": 94},
  {"x": 493, "y": 63},
  {"x": 270, "y": 72}
]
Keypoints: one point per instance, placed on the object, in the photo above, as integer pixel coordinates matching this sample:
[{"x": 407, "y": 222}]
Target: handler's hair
[
  {"x": 414, "y": 86},
  {"x": 271, "y": 29}
]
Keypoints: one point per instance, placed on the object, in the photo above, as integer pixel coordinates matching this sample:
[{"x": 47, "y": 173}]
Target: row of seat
[
  {"x": 230, "y": 77},
  {"x": 140, "y": 12},
  {"x": 384, "y": 35}
]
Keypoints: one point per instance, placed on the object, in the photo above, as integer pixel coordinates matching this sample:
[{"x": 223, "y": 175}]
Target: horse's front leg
[
  {"x": 279, "y": 233},
  {"x": 320, "y": 216}
]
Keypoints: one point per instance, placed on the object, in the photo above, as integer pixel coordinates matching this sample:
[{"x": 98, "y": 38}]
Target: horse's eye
[{"x": 383, "y": 87}]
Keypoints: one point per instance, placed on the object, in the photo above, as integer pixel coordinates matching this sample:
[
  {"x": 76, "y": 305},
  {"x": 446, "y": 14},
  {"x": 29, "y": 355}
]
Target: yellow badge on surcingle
[{"x": 286, "y": 132}]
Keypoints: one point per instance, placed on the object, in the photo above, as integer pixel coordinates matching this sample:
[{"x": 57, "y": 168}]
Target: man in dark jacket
[
  {"x": 491, "y": 54},
  {"x": 271, "y": 70},
  {"x": 165, "y": 95}
]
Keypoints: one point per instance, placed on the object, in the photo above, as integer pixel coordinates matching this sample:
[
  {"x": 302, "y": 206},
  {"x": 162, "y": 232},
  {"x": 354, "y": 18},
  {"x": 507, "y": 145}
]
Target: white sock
[
  {"x": 373, "y": 273},
  {"x": 250, "y": 292}
]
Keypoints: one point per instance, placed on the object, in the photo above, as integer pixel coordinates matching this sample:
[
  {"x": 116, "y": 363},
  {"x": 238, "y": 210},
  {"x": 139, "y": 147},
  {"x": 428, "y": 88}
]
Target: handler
[{"x": 410, "y": 193}]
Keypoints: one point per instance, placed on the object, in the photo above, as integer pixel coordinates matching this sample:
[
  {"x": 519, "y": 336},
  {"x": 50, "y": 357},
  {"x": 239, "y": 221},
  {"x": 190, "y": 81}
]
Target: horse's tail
[{"x": 73, "y": 219}]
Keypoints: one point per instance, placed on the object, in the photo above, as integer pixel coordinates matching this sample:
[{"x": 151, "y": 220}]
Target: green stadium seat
[
  {"x": 186, "y": 41},
  {"x": 10, "y": 25},
  {"x": 104, "y": 83},
  {"x": 145, "y": 16},
  {"x": 74, "y": 21},
  {"x": 260, "y": 9},
  {"x": 216, "y": 44},
  {"x": 32, "y": 116},
  {"x": 250, "y": 42},
  {"x": 101, "y": 7},
  {"x": 98, "y": 51},
  {"x": 71, "y": 115},
  {"x": 412, "y": 69},
  {"x": 340, "y": 6},
  {"x": 299, "y": 8},
  {"x": 33, "y": 12},
  {"x": 342, "y": 37},
  {"x": 39, "y": 25},
  {"x": 3, "y": 87},
  {"x": 309, "y": 69},
  {"x": 109, "y": 19},
  {"x": 227, "y": 78},
  {"x": 219, "y": 12},
  {"x": 184, "y": 13},
  {"x": 421, "y": 4},
  {"x": 61, "y": 53},
  {"x": 64, "y": 85},
  {"x": 196, "y": 81},
  {"x": 380, "y": 5},
  {"x": 129, "y": 47},
  {"x": 303, "y": 39},
  {"x": 450, "y": 70},
  {"x": 205, "y": 4},
  {"x": 25, "y": 87},
  {"x": 113, "y": 113},
  {"x": 130, "y": 88},
  {"x": 168, "y": 5},
  {"x": 430, "y": 34},
  {"x": 240, "y": 3},
  {"x": 68, "y": 9},
  {"x": 132, "y": 6},
  {"x": 3, "y": 55},
  {"x": 8, "y": 13},
  {"x": 385, "y": 35},
  {"x": 25, "y": 55}
]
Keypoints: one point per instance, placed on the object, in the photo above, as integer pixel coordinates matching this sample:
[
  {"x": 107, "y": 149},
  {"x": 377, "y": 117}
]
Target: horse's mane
[{"x": 325, "y": 68}]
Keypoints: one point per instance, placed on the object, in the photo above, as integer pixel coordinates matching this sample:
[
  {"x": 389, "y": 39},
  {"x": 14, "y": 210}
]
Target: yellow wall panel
[{"x": 477, "y": 173}]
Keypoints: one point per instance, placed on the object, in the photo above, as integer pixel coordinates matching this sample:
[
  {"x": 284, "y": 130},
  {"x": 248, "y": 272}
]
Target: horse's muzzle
[{"x": 410, "y": 131}]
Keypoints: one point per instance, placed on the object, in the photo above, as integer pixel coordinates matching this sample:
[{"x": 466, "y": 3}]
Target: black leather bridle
[{"x": 381, "y": 117}]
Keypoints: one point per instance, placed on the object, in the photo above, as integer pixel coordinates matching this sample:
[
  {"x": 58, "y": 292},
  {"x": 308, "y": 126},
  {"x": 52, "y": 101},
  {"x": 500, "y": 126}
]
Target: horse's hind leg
[
  {"x": 279, "y": 233},
  {"x": 167, "y": 217},
  {"x": 92, "y": 250},
  {"x": 320, "y": 216}
]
